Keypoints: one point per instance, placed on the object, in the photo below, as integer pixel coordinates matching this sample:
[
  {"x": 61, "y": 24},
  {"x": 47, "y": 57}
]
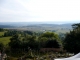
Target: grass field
[
  {"x": 62, "y": 31},
  {"x": 5, "y": 40},
  {"x": 1, "y": 33}
]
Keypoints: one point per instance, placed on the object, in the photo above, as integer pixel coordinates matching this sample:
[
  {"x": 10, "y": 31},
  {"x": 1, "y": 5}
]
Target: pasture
[
  {"x": 5, "y": 40},
  {"x": 1, "y": 33}
]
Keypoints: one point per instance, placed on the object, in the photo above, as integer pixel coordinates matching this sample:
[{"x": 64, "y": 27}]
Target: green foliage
[
  {"x": 49, "y": 40},
  {"x": 72, "y": 39},
  {"x": 30, "y": 41},
  {"x": 1, "y": 46},
  {"x": 15, "y": 43},
  {"x": 52, "y": 44},
  {"x": 10, "y": 33},
  {"x": 1, "y": 29},
  {"x": 76, "y": 26},
  {"x": 50, "y": 35},
  {"x": 42, "y": 41},
  {"x": 28, "y": 32},
  {"x": 21, "y": 42}
]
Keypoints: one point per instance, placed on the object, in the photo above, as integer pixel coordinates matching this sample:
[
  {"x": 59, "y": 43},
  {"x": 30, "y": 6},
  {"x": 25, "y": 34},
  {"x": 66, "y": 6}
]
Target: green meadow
[
  {"x": 5, "y": 40},
  {"x": 1, "y": 33}
]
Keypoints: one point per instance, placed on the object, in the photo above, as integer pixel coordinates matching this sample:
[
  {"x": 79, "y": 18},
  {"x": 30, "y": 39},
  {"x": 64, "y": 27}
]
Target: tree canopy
[
  {"x": 50, "y": 40},
  {"x": 72, "y": 39}
]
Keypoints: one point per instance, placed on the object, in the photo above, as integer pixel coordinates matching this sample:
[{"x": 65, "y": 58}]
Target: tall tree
[
  {"x": 72, "y": 40},
  {"x": 15, "y": 43},
  {"x": 49, "y": 39},
  {"x": 30, "y": 41}
]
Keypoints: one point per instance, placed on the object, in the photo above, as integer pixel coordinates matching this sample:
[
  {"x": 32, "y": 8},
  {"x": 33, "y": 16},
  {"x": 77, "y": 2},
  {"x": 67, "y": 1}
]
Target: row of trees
[
  {"x": 13, "y": 32},
  {"x": 45, "y": 40}
]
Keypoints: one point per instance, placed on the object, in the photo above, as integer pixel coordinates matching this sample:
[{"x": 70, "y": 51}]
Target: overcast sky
[{"x": 40, "y": 11}]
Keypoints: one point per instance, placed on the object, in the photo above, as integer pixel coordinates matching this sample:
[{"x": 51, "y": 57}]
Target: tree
[
  {"x": 1, "y": 29},
  {"x": 30, "y": 41},
  {"x": 1, "y": 47},
  {"x": 72, "y": 40},
  {"x": 10, "y": 33},
  {"x": 42, "y": 42},
  {"x": 52, "y": 44},
  {"x": 28, "y": 32},
  {"x": 15, "y": 43},
  {"x": 49, "y": 40},
  {"x": 50, "y": 35}
]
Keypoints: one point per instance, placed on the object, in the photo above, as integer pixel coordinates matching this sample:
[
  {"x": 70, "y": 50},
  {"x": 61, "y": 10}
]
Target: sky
[{"x": 61, "y": 11}]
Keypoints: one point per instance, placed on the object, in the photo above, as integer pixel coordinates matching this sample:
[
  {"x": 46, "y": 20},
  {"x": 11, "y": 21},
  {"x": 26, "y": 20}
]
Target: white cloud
[{"x": 41, "y": 10}]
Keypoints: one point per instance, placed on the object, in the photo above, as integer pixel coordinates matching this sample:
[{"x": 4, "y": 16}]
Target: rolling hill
[{"x": 37, "y": 27}]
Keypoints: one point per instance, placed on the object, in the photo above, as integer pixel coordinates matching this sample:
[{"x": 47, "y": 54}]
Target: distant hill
[
  {"x": 20, "y": 23},
  {"x": 37, "y": 27},
  {"x": 69, "y": 26},
  {"x": 31, "y": 23},
  {"x": 6, "y": 26},
  {"x": 49, "y": 27}
]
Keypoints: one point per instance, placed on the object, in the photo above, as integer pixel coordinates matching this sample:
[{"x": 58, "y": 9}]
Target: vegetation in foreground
[{"x": 28, "y": 44}]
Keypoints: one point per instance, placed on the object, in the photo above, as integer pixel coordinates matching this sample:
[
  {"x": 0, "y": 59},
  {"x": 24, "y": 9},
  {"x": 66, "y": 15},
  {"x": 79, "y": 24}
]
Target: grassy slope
[
  {"x": 1, "y": 33},
  {"x": 5, "y": 40}
]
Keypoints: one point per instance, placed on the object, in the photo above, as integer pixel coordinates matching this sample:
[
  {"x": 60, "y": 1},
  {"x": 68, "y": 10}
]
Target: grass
[
  {"x": 1, "y": 33},
  {"x": 5, "y": 40},
  {"x": 62, "y": 31}
]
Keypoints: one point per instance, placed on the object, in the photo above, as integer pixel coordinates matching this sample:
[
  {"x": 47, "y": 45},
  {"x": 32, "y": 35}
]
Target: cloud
[{"x": 40, "y": 10}]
